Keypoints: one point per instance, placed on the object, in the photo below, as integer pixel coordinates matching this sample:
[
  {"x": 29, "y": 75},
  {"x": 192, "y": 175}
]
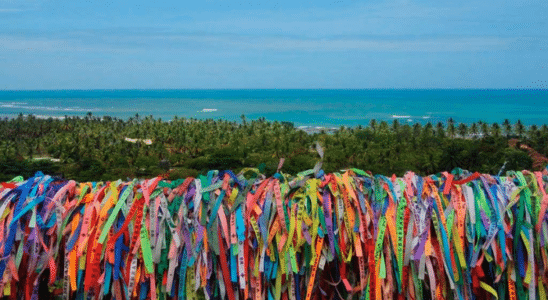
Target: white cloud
[
  {"x": 17, "y": 43},
  {"x": 226, "y": 42},
  {"x": 32, "y": 44},
  {"x": 411, "y": 45},
  {"x": 8, "y": 10}
]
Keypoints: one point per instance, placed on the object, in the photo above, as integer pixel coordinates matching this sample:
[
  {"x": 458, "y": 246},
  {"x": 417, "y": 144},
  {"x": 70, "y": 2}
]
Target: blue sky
[{"x": 90, "y": 44}]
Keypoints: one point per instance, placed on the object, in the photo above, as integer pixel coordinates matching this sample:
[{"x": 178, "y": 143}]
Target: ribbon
[{"x": 314, "y": 236}]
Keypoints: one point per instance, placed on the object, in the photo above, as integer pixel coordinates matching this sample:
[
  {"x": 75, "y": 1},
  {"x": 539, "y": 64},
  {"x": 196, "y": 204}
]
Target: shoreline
[{"x": 402, "y": 119}]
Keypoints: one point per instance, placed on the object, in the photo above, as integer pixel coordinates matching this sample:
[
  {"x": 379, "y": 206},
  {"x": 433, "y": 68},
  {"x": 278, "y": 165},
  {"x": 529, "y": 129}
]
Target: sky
[{"x": 226, "y": 44}]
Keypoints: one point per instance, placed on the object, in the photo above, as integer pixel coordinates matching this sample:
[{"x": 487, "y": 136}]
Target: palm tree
[
  {"x": 520, "y": 129},
  {"x": 428, "y": 130},
  {"x": 183, "y": 141},
  {"x": 383, "y": 127},
  {"x": 507, "y": 128},
  {"x": 417, "y": 129},
  {"x": 474, "y": 130},
  {"x": 395, "y": 126},
  {"x": 495, "y": 130},
  {"x": 440, "y": 130},
  {"x": 463, "y": 130},
  {"x": 533, "y": 132},
  {"x": 373, "y": 125},
  {"x": 484, "y": 129},
  {"x": 544, "y": 129},
  {"x": 451, "y": 127}
]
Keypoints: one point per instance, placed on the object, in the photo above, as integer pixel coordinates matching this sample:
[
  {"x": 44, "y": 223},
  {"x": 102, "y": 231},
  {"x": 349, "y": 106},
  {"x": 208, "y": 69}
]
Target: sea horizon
[
  {"x": 266, "y": 89},
  {"x": 302, "y": 107}
]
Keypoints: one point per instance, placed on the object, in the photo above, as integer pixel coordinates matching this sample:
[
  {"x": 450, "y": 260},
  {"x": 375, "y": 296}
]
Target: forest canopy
[{"x": 92, "y": 148}]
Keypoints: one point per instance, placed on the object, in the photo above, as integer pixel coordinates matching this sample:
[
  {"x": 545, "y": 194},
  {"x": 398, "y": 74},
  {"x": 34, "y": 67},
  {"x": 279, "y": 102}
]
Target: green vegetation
[{"x": 93, "y": 148}]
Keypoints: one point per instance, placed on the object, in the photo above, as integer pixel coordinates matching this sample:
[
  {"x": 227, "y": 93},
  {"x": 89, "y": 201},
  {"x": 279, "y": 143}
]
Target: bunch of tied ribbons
[{"x": 313, "y": 236}]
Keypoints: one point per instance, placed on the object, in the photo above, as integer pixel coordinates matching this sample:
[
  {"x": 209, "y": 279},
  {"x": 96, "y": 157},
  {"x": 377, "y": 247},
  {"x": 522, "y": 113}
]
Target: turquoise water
[{"x": 302, "y": 107}]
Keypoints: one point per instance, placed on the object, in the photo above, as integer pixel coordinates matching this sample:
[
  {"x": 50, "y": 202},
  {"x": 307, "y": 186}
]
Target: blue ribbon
[{"x": 23, "y": 193}]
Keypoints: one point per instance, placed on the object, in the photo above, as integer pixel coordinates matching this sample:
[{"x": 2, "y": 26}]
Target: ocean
[{"x": 327, "y": 108}]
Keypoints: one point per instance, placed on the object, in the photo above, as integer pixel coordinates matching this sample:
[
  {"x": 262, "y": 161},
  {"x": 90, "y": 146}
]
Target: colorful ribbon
[{"x": 314, "y": 236}]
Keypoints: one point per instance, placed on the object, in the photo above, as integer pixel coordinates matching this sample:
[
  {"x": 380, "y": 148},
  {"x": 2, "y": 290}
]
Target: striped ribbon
[{"x": 313, "y": 236}]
